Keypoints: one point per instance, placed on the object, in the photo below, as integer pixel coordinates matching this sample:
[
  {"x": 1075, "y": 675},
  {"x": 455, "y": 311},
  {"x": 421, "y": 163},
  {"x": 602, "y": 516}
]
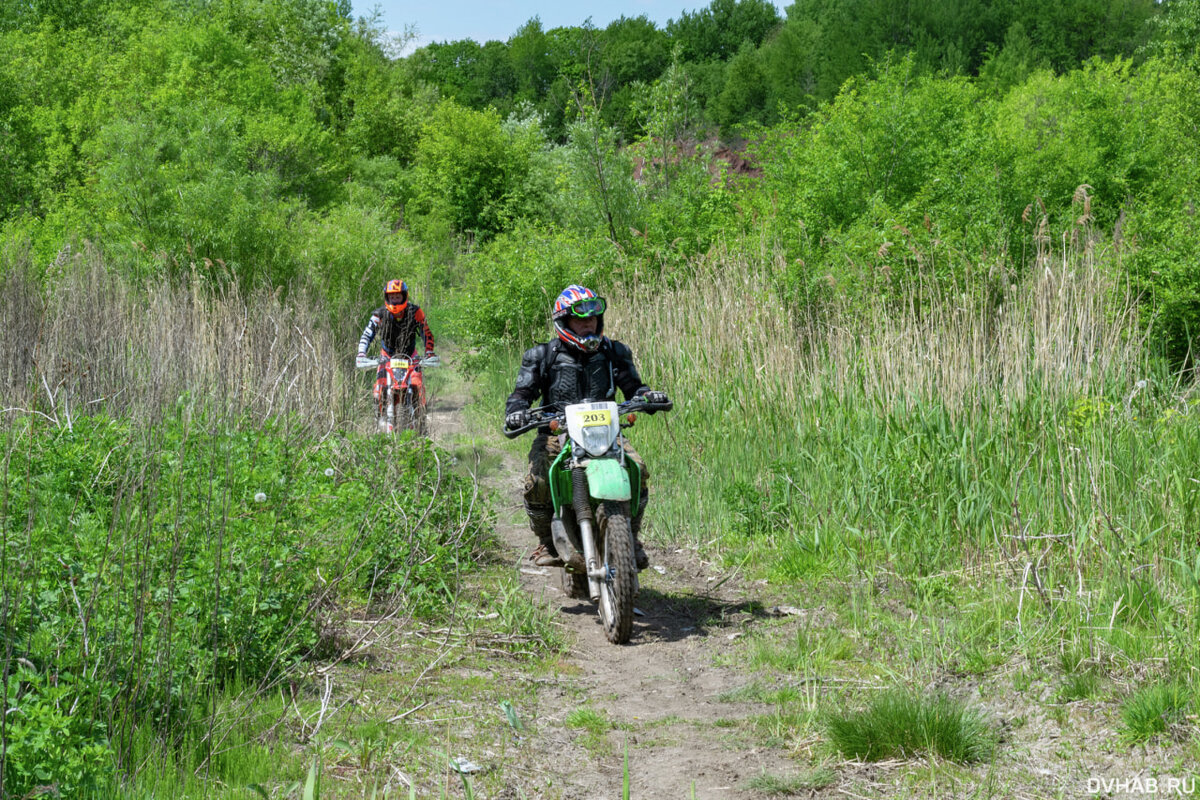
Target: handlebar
[
  {"x": 542, "y": 417},
  {"x": 369, "y": 362}
]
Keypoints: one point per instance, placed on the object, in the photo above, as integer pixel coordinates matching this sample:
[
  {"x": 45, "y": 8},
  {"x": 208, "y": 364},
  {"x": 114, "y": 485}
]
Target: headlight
[{"x": 598, "y": 439}]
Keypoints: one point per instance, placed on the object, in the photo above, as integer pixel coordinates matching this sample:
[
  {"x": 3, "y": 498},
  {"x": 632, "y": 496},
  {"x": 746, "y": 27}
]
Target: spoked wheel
[
  {"x": 381, "y": 416},
  {"x": 415, "y": 419},
  {"x": 420, "y": 420},
  {"x": 619, "y": 588}
]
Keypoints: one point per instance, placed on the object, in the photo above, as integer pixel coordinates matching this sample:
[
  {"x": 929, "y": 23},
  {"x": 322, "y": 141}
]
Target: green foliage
[
  {"x": 1177, "y": 32},
  {"x": 471, "y": 169},
  {"x": 1153, "y": 710},
  {"x": 872, "y": 164},
  {"x": 602, "y": 198},
  {"x": 515, "y": 279},
  {"x": 831, "y": 42},
  {"x": 1010, "y": 65},
  {"x": 723, "y": 29},
  {"x": 148, "y": 568},
  {"x": 744, "y": 97},
  {"x": 48, "y": 745}
]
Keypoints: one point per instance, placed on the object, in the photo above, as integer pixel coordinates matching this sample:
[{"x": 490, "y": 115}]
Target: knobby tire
[{"x": 617, "y": 595}]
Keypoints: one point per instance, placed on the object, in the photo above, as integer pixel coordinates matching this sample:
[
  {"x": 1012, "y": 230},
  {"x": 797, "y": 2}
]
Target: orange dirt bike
[
  {"x": 595, "y": 490},
  {"x": 400, "y": 391}
]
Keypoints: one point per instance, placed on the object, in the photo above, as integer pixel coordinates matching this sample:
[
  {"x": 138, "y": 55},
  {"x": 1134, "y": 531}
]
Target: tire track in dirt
[{"x": 666, "y": 691}]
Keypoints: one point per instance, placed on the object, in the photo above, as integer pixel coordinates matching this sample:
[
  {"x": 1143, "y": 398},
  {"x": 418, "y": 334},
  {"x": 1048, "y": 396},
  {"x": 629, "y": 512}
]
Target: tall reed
[
  {"x": 184, "y": 518},
  {"x": 1065, "y": 328},
  {"x": 89, "y": 339}
]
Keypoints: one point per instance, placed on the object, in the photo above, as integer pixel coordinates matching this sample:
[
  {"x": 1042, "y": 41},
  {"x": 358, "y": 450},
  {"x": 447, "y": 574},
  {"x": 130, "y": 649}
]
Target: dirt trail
[{"x": 663, "y": 690}]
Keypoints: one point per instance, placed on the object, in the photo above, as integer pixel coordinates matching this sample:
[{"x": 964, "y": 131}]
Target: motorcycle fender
[{"x": 607, "y": 479}]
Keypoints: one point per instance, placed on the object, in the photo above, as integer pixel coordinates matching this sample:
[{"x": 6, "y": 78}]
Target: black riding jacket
[{"x": 562, "y": 375}]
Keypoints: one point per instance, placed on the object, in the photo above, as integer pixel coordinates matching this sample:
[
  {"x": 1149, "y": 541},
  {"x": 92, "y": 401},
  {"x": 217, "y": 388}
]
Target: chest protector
[
  {"x": 398, "y": 335},
  {"x": 573, "y": 380}
]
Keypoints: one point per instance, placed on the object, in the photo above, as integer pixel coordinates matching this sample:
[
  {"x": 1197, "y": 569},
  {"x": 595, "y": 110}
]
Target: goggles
[{"x": 588, "y": 307}]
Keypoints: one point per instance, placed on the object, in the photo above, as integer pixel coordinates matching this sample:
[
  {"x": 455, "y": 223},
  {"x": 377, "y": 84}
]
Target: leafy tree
[
  {"x": 719, "y": 31},
  {"x": 385, "y": 104},
  {"x": 1013, "y": 63},
  {"x": 745, "y": 94},
  {"x": 668, "y": 115},
  {"x": 298, "y": 39},
  {"x": 634, "y": 49},
  {"x": 530, "y": 51},
  {"x": 601, "y": 177},
  {"x": 1177, "y": 32},
  {"x": 631, "y": 52},
  {"x": 470, "y": 170}
]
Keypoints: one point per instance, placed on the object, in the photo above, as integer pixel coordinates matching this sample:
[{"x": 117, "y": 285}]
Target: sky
[{"x": 482, "y": 20}]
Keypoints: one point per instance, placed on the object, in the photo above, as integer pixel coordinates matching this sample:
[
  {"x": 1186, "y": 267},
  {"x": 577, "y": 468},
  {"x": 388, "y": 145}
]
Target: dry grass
[
  {"x": 93, "y": 340},
  {"x": 1064, "y": 329}
]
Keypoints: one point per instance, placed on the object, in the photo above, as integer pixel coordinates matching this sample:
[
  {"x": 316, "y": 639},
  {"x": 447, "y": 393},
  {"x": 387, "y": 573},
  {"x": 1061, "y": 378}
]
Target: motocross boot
[
  {"x": 639, "y": 553},
  {"x": 545, "y": 555}
]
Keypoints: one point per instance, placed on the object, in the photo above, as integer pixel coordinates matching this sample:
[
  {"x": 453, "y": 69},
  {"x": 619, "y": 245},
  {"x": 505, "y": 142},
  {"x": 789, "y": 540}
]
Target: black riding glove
[
  {"x": 651, "y": 396},
  {"x": 517, "y": 419}
]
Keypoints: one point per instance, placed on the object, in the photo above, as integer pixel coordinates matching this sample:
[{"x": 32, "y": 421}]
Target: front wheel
[
  {"x": 415, "y": 418},
  {"x": 619, "y": 588}
]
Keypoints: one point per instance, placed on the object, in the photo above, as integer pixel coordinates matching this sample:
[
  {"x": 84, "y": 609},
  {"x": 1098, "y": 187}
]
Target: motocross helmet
[
  {"x": 394, "y": 287},
  {"x": 579, "y": 301}
]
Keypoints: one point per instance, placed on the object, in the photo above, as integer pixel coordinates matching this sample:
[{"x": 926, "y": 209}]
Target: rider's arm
[
  {"x": 368, "y": 334},
  {"x": 529, "y": 380},
  {"x": 423, "y": 327},
  {"x": 628, "y": 380}
]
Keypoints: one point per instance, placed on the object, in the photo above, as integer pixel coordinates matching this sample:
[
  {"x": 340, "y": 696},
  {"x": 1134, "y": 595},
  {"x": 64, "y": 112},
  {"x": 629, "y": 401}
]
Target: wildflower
[
  {"x": 329, "y": 472},
  {"x": 260, "y": 498}
]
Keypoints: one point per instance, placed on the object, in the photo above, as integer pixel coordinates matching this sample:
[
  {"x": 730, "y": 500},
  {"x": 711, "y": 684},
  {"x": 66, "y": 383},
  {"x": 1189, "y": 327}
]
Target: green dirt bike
[{"x": 595, "y": 490}]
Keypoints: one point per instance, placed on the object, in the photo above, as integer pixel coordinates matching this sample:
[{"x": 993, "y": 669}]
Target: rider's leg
[
  {"x": 639, "y": 552},
  {"x": 538, "y": 503}
]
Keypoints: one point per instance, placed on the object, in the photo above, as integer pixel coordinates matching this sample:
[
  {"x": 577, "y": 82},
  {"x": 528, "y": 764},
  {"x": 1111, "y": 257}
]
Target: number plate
[
  {"x": 592, "y": 419},
  {"x": 399, "y": 363}
]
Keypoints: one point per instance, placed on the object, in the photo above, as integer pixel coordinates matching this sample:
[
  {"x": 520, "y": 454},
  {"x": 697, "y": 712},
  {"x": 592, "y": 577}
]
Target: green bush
[
  {"x": 470, "y": 170},
  {"x": 157, "y": 564},
  {"x": 512, "y": 283}
]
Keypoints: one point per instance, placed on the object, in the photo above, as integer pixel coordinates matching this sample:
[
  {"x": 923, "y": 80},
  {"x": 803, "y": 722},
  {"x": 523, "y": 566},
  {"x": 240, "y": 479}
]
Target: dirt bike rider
[
  {"x": 397, "y": 323},
  {"x": 581, "y": 364}
]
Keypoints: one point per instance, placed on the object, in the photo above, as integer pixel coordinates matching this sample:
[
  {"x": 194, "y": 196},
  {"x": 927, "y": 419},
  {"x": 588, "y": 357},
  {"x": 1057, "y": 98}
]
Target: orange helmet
[{"x": 396, "y": 287}]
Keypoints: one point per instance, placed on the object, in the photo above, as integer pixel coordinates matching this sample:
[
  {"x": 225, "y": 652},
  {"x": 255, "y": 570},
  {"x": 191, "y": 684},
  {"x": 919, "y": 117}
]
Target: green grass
[
  {"x": 1153, "y": 710},
  {"x": 779, "y": 786},
  {"x": 1082, "y": 678},
  {"x": 899, "y": 724},
  {"x": 593, "y": 725},
  {"x": 808, "y": 649}
]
